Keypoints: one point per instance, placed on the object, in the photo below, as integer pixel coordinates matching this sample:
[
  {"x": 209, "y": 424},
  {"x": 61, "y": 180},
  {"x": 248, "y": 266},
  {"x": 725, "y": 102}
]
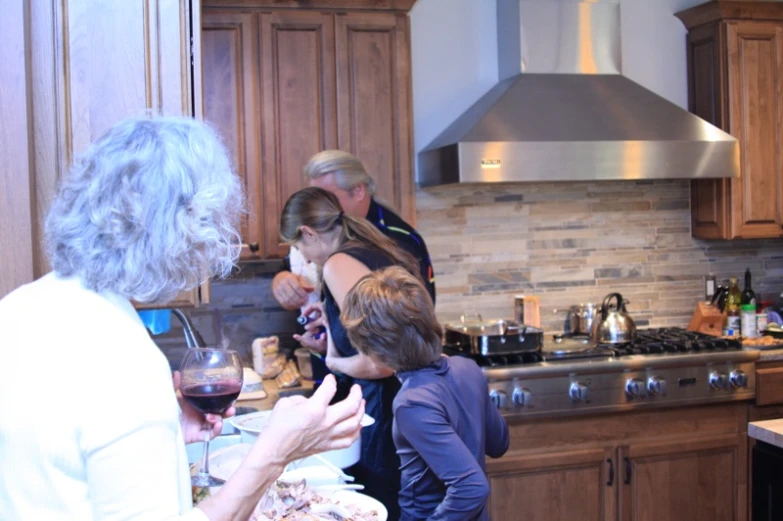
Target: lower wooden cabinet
[
  {"x": 688, "y": 480},
  {"x": 555, "y": 487},
  {"x": 687, "y": 464}
]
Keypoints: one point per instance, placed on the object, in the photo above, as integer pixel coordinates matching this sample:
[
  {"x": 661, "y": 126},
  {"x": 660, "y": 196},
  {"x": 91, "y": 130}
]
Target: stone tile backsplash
[
  {"x": 565, "y": 242},
  {"x": 577, "y": 242}
]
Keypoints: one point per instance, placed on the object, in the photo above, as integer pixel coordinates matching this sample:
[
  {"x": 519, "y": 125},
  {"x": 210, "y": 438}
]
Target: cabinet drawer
[{"x": 769, "y": 386}]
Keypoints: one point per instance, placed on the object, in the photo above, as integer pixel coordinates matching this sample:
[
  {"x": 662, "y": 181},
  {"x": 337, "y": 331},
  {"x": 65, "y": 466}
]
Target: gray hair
[
  {"x": 348, "y": 170},
  {"x": 150, "y": 210}
]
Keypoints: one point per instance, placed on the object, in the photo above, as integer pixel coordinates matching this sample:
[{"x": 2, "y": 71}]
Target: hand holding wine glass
[
  {"x": 193, "y": 421},
  {"x": 211, "y": 382}
]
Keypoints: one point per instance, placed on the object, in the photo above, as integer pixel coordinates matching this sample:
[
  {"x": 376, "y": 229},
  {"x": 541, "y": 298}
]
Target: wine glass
[{"x": 211, "y": 382}]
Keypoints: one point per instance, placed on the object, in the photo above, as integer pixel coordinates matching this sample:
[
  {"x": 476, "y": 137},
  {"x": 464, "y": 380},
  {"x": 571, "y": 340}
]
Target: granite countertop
[
  {"x": 769, "y": 431},
  {"x": 274, "y": 394},
  {"x": 767, "y": 355}
]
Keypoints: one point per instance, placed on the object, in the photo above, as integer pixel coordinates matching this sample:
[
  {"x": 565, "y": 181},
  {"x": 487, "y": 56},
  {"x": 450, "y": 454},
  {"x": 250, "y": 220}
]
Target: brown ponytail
[
  {"x": 320, "y": 210},
  {"x": 362, "y": 231}
]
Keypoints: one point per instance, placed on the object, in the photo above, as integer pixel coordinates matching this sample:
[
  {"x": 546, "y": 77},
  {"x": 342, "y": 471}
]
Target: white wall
[
  {"x": 454, "y": 53},
  {"x": 454, "y": 48}
]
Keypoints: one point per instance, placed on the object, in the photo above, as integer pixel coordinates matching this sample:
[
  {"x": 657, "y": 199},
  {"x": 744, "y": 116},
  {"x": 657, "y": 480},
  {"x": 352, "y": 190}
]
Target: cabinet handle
[
  {"x": 253, "y": 247},
  {"x": 610, "y": 481},
  {"x": 627, "y": 471}
]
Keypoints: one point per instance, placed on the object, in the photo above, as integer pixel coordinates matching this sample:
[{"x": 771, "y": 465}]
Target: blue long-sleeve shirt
[{"x": 444, "y": 426}]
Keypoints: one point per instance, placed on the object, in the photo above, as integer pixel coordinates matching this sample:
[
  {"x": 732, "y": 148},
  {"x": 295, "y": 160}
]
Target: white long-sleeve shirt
[{"x": 89, "y": 422}]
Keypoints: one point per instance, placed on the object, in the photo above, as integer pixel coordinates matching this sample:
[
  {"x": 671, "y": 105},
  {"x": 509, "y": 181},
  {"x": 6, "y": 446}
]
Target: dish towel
[{"x": 156, "y": 320}]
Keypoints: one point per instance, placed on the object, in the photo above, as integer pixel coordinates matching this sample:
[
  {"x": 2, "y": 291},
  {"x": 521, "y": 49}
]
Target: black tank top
[{"x": 378, "y": 468}]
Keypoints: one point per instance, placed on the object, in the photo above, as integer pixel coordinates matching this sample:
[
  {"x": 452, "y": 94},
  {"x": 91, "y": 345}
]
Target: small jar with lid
[{"x": 748, "y": 321}]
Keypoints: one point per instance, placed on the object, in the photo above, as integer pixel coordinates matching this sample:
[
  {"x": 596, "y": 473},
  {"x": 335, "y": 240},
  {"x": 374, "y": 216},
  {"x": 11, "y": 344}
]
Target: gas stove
[{"x": 661, "y": 368}]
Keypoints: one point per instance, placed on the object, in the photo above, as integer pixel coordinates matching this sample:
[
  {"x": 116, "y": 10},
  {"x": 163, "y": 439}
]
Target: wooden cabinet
[
  {"x": 563, "y": 486},
  {"x": 769, "y": 384},
  {"x": 694, "y": 479},
  {"x": 89, "y": 64},
  {"x": 282, "y": 84},
  {"x": 687, "y": 464},
  {"x": 735, "y": 81}
]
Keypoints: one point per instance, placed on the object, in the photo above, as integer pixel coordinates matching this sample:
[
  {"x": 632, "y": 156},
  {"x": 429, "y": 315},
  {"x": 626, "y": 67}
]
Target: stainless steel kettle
[{"x": 613, "y": 325}]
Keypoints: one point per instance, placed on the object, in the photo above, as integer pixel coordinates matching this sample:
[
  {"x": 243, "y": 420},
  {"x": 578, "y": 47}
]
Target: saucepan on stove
[
  {"x": 579, "y": 318},
  {"x": 474, "y": 335},
  {"x": 613, "y": 325}
]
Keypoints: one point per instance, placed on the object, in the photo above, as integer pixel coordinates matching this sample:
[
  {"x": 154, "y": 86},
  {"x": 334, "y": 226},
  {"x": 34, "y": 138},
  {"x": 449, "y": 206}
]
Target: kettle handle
[{"x": 607, "y": 300}]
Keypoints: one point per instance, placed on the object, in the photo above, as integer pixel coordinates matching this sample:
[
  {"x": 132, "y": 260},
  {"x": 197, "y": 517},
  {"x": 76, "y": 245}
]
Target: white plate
[
  {"x": 251, "y": 425},
  {"x": 254, "y": 422},
  {"x": 224, "y": 462}
]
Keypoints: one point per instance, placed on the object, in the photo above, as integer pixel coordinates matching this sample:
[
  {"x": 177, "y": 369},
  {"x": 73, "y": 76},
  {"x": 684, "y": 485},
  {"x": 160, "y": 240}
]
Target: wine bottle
[
  {"x": 748, "y": 295},
  {"x": 733, "y": 299}
]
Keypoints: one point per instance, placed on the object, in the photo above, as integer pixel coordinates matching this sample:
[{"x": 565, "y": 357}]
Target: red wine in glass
[
  {"x": 212, "y": 398},
  {"x": 211, "y": 382}
]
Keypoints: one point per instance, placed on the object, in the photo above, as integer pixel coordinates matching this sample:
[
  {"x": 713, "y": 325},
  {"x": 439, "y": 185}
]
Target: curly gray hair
[{"x": 150, "y": 210}]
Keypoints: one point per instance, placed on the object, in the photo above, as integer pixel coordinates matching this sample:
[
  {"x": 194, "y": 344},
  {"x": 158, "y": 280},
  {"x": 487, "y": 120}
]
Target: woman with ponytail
[{"x": 348, "y": 248}]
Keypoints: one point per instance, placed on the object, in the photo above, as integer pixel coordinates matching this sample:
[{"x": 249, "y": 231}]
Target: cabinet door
[
  {"x": 693, "y": 480},
  {"x": 232, "y": 92},
  {"x": 755, "y": 70},
  {"x": 297, "y": 107},
  {"x": 564, "y": 486},
  {"x": 706, "y": 99},
  {"x": 374, "y": 101},
  {"x": 95, "y": 63}
]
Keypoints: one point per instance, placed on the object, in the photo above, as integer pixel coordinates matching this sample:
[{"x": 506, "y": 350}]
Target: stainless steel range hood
[{"x": 564, "y": 112}]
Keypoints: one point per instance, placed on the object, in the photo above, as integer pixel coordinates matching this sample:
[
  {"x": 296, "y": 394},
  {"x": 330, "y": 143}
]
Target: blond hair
[
  {"x": 348, "y": 170},
  {"x": 320, "y": 210},
  {"x": 389, "y": 316}
]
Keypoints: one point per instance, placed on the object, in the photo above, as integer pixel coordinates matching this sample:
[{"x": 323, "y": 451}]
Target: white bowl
[{"x": 251, "y": 425}]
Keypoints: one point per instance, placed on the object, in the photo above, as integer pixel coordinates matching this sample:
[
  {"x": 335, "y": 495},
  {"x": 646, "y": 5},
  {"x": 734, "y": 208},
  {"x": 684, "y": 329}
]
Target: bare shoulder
[
  {"x": 342, "y": 266},
  {"x": 341, "y": 273}
]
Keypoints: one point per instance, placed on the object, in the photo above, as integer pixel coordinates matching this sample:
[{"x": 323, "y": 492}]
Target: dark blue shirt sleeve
[
  {"x": 433, "y": 438},
  {"x": 497, "y": 438}
]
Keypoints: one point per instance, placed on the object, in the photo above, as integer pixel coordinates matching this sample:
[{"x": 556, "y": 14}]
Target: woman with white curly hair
[{"x": 90, "y": 425}]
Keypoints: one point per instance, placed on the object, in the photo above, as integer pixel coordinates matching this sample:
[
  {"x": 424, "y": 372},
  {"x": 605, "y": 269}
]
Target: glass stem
[{"x": 205, "y": 458}]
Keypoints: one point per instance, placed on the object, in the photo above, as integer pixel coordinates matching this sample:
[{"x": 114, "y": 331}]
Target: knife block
[
  {"x": 533, "y": 311},
  {"x": 707, "y": 319}
]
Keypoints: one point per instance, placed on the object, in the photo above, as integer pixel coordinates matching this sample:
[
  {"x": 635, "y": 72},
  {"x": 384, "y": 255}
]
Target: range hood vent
[{"x": 564, "y": 112}]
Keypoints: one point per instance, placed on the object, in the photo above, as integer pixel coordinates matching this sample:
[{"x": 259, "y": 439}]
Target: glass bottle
[
  {"x": 748, "y": 295},
  {"x": 733, "y": 302}
]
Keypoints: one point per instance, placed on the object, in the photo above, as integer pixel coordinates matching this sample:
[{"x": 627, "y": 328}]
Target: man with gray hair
[{"x": 344, "y": 175}]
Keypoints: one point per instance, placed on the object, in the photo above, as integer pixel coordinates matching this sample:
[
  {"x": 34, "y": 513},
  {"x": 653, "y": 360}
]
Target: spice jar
[{"x": 748, "y": 321}]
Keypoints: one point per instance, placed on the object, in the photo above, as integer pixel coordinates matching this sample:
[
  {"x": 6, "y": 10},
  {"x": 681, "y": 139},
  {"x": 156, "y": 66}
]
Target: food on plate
[
  {"x": 297, "y": 502},
  {"x": 761, "y": 341}
]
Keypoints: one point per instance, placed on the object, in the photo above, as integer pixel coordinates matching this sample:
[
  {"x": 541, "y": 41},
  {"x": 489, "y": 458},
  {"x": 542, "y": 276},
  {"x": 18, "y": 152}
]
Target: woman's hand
[
  {"x": 300, "y": 427},
  {"x": 193, "y": 421},
  {"x": 312, "y": 329}
]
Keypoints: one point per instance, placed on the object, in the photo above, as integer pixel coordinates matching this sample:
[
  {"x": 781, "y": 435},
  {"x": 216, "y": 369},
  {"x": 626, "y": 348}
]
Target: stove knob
[
  {"x": 656, "y": 385},
  {"x": 499, "y": 398},
  {"x": 521, "y": 397},
  {"x": 633, "y": 387},
  {"x": 718, "y": 380},
  {"x": 578, "y": 392},
  {"x": 738, "y": 379}
]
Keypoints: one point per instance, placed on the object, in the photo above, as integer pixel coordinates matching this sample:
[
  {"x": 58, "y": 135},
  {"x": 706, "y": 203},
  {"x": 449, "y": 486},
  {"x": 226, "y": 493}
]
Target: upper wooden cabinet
[
  {"x": 735, "y": 81},
  {"x": 93, "y": 63},
  {"x": 282, "y": 84}
]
